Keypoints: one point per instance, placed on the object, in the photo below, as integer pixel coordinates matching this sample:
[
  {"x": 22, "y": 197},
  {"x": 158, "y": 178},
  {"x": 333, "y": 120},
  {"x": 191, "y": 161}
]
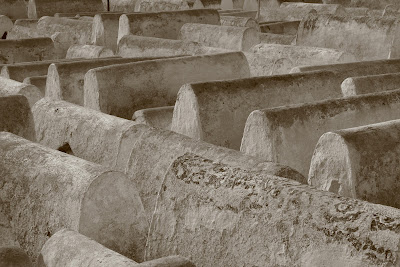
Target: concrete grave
[
  {"x": 24, "y": 50},
  {"x": 72, "y": 200},
  {"x": 297, "y": 11},
  {"x": 66, "y": 79},
  {"x": 303, "y": 55},
  {"x": 243, "y": 14},
  {"x": 38, "y": 81},
  {"x": 226, "y": 37},
  {"x": 127, "y": 6},
  {"x": 215, "y": 4},
  {"x": 88, "y": 51},
  {"x": 29, "y": 23},
  {"x": 7, "y": 237},
  {"x": 120, "y": 90},
  {"x": 6, "y": 25},
  {"x": 19, "y": 71},
  {"x": 160, "y": 5},
  {"x": 239, "y": 22},
  {"x": 288, "y": 135},
  {"x": 22, "y": 32},
  {"x": 140, "y": 46},
  {"x": 10, "y": 87},
  {"x": 216, "y": 112},
  {"x": 160, "y": 117},
  {"x": 370, "y": 84},
  {"x": 356, "y": 68},
  {"x": 16, "y": 117},
  {"x": 14, "y": 9},
  {"x": 271, "y": 38},
  {"x": 164, "y": 24},
  {"x": 284, "y": 27},
  {"x": 225, "y": 216},
  {"x": 105, "y": 30},
  {"x": 81, "y": 31},
  {"x": 360, "y": 162},
  {"x": 144, "y": 153},
  {"x": 40, "y": 8},
  {"x": 58, "y": 251},
  {"x": 14, "y": 257},
  {"x": 367, "y": 38},
  {"x": 372, "y": 4}
]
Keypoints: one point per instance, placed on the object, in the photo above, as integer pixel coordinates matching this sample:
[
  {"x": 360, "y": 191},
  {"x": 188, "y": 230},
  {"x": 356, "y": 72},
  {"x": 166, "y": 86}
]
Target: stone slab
[
  {"x": 288, "y": 135},
  {"x": 120, "y": 90}
]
